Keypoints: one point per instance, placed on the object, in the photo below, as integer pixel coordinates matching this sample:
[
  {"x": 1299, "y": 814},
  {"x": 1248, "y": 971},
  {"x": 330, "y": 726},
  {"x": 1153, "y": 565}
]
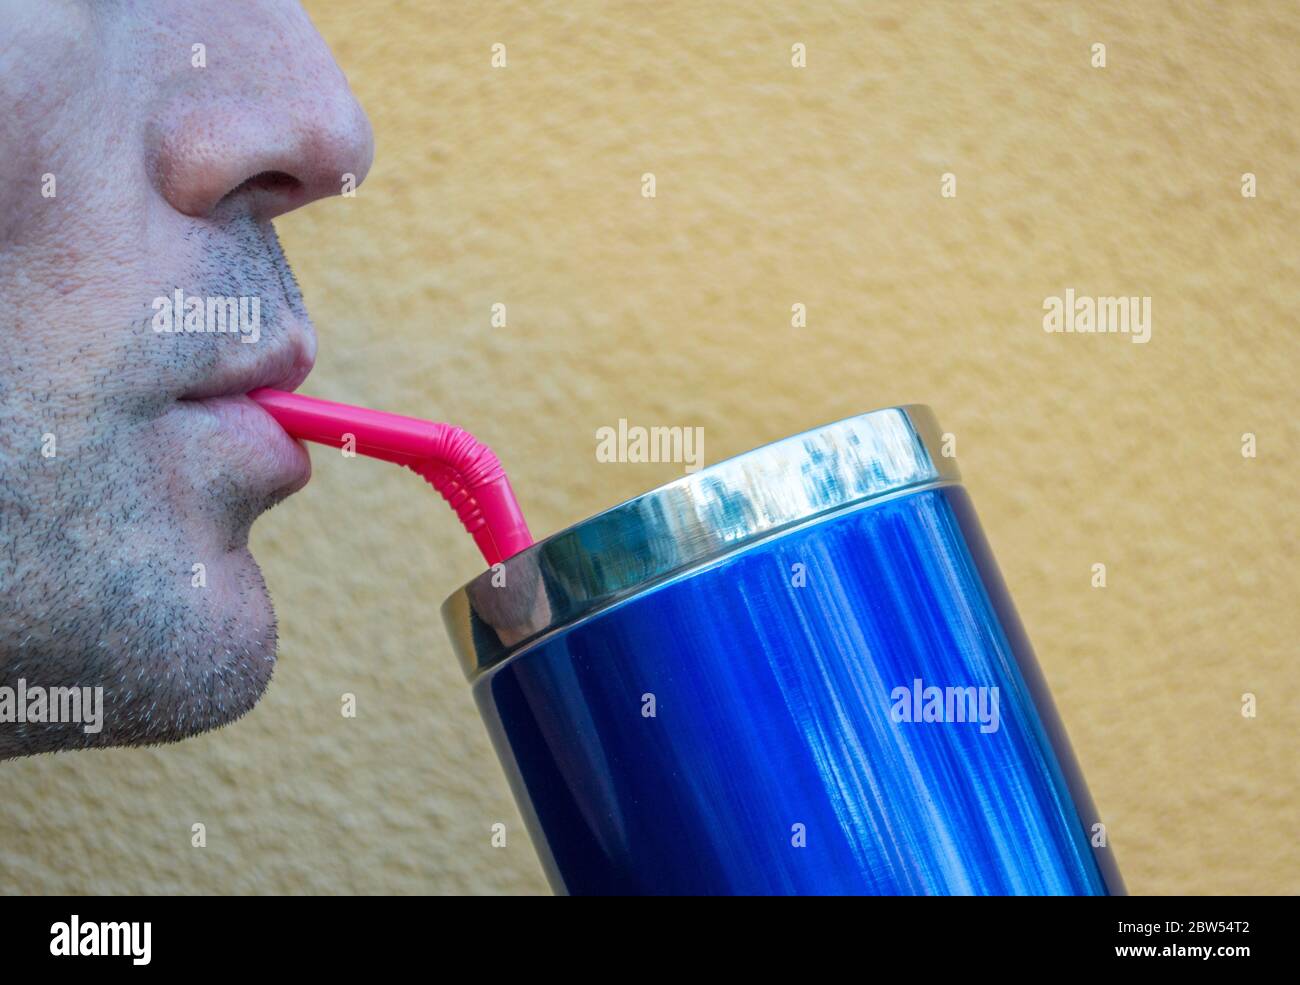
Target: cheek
[{"x": 53, "y": 87}]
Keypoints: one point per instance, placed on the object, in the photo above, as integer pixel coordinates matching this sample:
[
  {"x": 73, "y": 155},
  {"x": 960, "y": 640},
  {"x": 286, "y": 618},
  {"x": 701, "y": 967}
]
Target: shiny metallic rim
[{"x": 688, "y": 522}]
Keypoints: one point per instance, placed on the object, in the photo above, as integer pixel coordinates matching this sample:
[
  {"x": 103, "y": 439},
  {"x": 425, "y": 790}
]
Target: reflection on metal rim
[{"x": 692, "y": 521}]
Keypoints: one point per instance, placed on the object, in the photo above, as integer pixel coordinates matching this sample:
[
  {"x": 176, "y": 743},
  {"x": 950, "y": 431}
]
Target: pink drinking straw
[{"x": 467, "y": 474}]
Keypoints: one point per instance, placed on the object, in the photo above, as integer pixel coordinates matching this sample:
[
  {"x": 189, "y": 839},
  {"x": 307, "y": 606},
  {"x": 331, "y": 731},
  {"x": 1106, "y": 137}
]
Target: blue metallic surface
[{"x": 773, "y": 716}]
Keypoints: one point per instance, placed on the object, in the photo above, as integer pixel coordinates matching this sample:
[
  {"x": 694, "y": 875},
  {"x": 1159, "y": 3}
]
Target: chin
[
  {"x": 217, "y": 669},
  {"x": 211, "y": 634},
  {"x": 145, "y": 593},
  {"x": 172, "y": 660}
]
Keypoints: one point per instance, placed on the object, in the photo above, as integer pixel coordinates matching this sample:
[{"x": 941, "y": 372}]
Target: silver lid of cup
[{"x": 692, "y": 521}]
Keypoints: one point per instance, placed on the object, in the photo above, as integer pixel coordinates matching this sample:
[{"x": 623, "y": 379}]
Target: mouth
[
  {"x": 285, "y": 367},
  {"x": 233, "y": 426}
]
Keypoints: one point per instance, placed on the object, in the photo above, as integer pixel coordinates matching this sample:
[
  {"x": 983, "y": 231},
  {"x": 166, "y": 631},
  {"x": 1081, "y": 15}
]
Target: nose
[{"x": 270, "y": 121}]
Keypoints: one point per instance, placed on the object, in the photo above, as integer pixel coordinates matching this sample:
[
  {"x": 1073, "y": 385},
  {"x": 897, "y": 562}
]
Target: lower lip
[{"x": 276, "y": 457}]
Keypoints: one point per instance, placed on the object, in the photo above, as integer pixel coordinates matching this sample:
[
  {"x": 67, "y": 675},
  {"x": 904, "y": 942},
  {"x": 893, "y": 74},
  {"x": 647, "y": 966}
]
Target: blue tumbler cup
[{"x": 797, "y": 671}]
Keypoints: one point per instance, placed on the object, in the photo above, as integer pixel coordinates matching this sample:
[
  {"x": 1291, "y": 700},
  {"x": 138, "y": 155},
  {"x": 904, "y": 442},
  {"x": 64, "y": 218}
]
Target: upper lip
[{"x": 281, "y": 366}]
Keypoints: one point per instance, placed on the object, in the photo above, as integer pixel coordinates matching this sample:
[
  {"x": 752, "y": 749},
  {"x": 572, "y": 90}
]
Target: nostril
[
  {"x": 275, "y": 182},
  {"x": 272, "y": 181}
]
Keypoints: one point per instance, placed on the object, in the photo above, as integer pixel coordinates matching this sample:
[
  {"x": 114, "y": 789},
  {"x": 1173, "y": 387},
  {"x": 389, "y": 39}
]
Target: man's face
[{"x": 145, "y": 147}]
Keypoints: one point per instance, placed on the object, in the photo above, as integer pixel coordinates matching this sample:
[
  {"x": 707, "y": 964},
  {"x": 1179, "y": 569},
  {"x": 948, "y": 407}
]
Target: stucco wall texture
[{"x": 774, "y": 185}]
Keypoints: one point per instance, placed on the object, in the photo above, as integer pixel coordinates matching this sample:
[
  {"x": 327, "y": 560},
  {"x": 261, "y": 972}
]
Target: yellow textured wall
[{"x": 775, "y": 185}]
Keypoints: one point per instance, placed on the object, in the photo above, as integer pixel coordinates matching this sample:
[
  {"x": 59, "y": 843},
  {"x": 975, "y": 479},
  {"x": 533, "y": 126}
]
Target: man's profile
[{"x": 145, "y": 148}]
